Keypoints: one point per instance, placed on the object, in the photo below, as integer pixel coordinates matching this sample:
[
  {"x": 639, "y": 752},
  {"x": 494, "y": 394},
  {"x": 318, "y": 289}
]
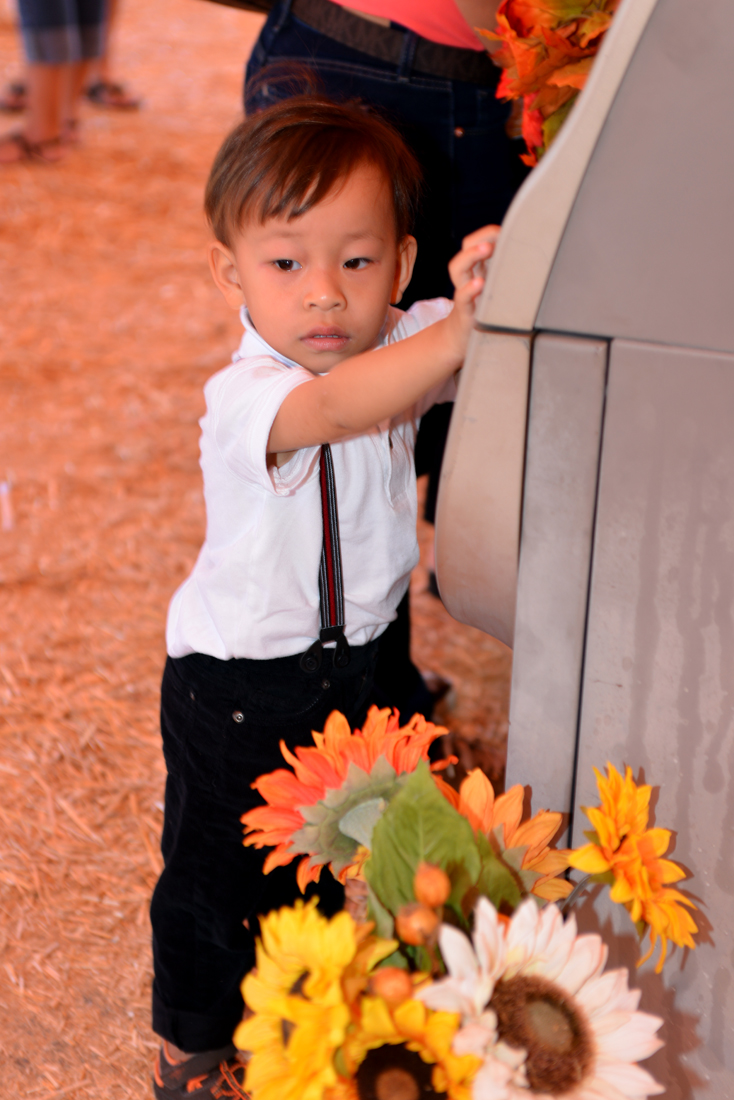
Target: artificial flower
[
  {"x": 500, "y": 818},
  {"x": 298, "y": 997},
  {"x": 325, "y": 809},
  {"x": 623, "y": 848},
  {"x": 553, "y": 1022},
  {"x": 415, "y": 1030},
  {"x": 546, "y": 49}
]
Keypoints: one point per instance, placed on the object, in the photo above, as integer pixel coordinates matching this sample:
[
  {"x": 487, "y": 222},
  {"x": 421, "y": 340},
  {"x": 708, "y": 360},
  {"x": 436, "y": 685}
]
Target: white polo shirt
[{"x": 254, "y": 590}]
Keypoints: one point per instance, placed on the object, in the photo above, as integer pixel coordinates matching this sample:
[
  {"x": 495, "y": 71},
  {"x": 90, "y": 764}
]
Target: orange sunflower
[
  {"x": 622, "y": 847},
  {"x": 325, "y": 808},
  {"x": 501, "y": 819}
]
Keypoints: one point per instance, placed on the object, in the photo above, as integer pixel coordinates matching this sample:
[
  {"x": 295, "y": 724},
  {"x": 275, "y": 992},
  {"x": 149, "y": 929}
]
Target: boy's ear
[
  {"x": 407, "y": 252},
  {"x": 225, "y": 274}
]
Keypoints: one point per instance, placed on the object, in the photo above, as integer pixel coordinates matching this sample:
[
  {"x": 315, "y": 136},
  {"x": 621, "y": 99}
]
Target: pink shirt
[{"x": 439, "y": 20}]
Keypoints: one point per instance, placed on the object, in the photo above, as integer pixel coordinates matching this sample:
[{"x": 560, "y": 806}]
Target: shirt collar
[{"x": 252, "y": 344}]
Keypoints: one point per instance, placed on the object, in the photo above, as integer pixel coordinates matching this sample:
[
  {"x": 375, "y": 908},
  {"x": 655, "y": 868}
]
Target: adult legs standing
[{"x": 60, "y": 37}]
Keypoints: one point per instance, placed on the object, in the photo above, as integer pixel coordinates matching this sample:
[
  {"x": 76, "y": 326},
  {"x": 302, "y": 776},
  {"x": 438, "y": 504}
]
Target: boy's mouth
[{"x": 324, "y": 338}]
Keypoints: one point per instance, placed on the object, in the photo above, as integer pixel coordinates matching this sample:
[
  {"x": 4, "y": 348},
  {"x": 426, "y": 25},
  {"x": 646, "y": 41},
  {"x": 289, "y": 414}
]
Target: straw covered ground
[{"x": 108, "y": 330}]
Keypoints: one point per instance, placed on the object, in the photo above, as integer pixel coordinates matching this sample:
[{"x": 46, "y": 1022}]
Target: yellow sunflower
[
  {"x": 622, "y": 846},
  {"x": 418, "y": 1030},
  {"x": 296, "y": 994}
]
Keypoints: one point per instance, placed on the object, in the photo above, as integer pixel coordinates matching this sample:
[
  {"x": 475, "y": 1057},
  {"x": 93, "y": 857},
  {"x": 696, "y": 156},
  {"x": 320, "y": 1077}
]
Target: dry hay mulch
[{"x": 109, "y": 329}]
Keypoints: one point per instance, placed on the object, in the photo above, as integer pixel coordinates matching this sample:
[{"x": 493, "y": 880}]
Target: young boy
[{"x": 311, "y": 205}]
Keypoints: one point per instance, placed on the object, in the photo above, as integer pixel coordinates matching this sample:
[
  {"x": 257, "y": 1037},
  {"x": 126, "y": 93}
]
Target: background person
[
  {"x": 60, "y": 38},
  {"x": 100, "y": 87}
]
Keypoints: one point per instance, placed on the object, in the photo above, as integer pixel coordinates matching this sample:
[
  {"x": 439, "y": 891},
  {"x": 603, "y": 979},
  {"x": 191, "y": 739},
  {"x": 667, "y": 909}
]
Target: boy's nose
[{"x": 324, "y": 293}]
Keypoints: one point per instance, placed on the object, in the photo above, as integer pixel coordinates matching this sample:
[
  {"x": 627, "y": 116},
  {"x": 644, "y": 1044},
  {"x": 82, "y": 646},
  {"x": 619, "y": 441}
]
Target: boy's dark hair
[{"x": 286, "y": 159}]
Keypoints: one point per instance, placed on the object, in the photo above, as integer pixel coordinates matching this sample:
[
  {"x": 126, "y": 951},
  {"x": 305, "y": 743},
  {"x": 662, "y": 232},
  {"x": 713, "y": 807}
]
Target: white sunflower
[{"x": 553, "y": 1023}]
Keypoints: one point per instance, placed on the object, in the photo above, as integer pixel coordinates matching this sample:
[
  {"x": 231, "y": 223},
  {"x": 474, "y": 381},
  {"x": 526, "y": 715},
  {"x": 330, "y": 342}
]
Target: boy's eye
[
  {"x": 357, "y": 264},
  {"x": 287, "y": 265}
]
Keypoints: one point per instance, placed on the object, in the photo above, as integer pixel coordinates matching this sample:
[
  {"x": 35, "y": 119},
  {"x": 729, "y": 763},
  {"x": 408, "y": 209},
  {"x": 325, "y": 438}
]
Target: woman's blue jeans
[{"x": 456, "y": 129}]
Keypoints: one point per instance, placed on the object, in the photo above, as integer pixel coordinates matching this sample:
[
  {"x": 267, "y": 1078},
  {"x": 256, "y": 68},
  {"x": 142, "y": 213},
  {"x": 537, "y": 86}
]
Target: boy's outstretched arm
[{"x": 365, "y": 390}]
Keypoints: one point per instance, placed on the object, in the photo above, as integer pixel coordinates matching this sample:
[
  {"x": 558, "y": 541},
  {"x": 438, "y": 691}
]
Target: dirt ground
[{"x": 108, "y": 329}]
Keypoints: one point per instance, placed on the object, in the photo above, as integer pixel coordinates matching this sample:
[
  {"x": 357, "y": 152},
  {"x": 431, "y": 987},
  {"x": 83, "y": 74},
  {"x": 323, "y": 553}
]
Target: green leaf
[
  {"x": 513, "y": 857},
  {"x": 396, "y": 959},
  {"x": 604, "y": 878},
  {"x": 496, "y": 880},
  {"x": 419, "y": 824},
  {"x": 376, "y": 911},
  {"x": 553, "y": 123},
  {"x": 464, "y": 894},
  {"x": 321, "y": 836},
  {"x": 359, "y": 822}
]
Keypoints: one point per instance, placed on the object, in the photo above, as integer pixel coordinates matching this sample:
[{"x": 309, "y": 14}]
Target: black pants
[{"x": 221, "y": 723}]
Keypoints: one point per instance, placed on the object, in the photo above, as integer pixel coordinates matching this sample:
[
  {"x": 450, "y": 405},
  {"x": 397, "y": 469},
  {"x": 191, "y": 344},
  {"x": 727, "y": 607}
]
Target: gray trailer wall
[{"x": 648, "y": 252}]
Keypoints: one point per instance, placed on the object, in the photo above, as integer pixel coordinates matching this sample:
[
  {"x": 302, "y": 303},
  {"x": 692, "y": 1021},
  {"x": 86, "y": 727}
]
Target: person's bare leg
[
  {"x": 72, "y": 82},
  {"x": 44, "y": 101},
  {"x": 99, "y": 69},
  {"x": 43, "y": 123},
  {"x": 106, "y": 90}
]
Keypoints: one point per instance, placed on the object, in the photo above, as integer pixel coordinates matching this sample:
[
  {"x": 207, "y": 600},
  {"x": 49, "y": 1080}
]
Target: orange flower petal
[
  {"x": 306, "y": 874},
  {"x": 476, "y": 800},
  {"x": 508, "y": 812}
]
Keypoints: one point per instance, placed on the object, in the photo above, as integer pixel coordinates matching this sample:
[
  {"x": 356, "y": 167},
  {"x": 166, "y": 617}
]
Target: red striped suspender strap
[{"x": 331, "y": 585}]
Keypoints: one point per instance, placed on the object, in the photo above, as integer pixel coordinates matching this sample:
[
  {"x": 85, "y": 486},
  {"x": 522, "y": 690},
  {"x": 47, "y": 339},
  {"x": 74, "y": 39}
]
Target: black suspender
[{"x": 331, "y": 583}]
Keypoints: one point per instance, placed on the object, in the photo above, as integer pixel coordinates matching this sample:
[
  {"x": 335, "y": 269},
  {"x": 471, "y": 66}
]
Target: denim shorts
[{"x": 58, "y": 32}]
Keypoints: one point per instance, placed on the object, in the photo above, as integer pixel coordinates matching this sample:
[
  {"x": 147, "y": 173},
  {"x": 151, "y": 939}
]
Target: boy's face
[{"x": 317, "y": 287}]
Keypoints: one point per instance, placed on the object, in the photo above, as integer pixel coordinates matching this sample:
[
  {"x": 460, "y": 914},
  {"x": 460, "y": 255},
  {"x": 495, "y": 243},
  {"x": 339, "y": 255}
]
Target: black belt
[{"x": 387, "y": 44}]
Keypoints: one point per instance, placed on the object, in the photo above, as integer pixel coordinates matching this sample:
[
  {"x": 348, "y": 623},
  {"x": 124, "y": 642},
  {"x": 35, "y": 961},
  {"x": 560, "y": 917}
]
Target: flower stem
[{"x": 575, "y": 893}]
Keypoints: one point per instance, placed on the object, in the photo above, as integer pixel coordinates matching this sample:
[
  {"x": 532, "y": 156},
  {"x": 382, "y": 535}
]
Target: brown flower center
[
  {"x": 395, "y": 1073},
  {"x": 537, "y": 1015}
]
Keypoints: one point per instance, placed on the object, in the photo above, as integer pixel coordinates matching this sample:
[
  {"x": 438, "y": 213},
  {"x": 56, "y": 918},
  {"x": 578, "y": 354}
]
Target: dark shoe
[
  {"x": 21, "y": 149},
  {"x": 214, "y": 1075},
  {"x": 105, "y": 93}
]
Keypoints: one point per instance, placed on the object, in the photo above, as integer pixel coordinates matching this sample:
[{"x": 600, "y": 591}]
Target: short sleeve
[
  {"x": 420, "y": 316},
  {"x": 242, "y": 403}
]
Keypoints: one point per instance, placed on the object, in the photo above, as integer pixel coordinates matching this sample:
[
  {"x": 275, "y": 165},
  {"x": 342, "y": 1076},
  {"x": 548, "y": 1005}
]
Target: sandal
[
  {"x": 14, "y": 98},
  {"x": 215, "y": 1075},
  {"x": 106, "y": 93},
  {"x": 30, "y": 150}
]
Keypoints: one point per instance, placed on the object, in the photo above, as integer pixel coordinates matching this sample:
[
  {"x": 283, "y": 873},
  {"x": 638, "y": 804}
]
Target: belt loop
[
  {"x": 284, "y": 11},
  {"x": 407, "y": 53}
]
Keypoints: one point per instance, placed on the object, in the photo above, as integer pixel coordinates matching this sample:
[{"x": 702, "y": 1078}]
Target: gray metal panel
[
  {"x": 564, "y": 427},
  {"x": 658, "y": 690},
  {"x": 480, "y": 495},
  {"x": 648, "y": 251}
]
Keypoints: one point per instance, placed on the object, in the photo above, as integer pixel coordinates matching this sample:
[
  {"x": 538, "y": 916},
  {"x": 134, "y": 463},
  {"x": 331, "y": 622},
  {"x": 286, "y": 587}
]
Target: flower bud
[
  {"x": 392, "y": 984},
  {"x": 416, "y": 924},
  {"x": 431, "y": 885}
]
